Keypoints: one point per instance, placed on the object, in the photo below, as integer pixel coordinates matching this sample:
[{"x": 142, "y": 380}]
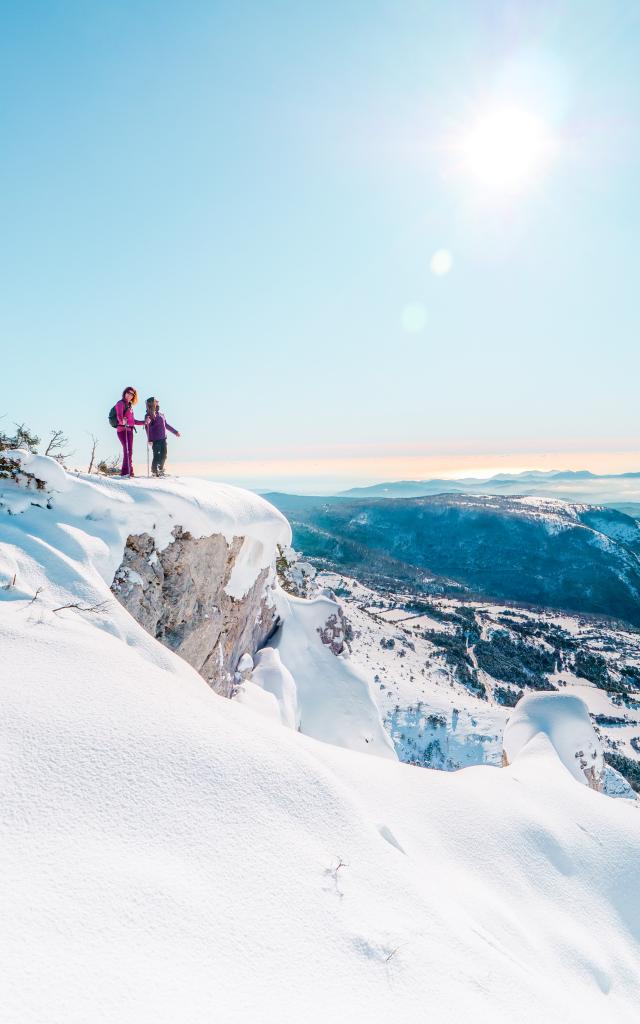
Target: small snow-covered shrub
[
  {"x": 109, "y": 467},
  {"x": 23, "y": 438}
]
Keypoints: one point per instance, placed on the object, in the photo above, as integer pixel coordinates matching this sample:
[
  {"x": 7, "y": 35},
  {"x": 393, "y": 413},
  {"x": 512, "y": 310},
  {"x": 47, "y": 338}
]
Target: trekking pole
[{"x": 147, "y": 460}]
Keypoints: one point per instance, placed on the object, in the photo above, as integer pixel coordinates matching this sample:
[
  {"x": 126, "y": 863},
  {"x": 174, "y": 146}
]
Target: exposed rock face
[
  {"x": 178, "y": 595},
  {"x": 337, "y": 632}
]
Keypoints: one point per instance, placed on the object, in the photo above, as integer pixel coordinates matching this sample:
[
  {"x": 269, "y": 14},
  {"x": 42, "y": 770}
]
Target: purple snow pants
[{"x": 126, "y": 440}]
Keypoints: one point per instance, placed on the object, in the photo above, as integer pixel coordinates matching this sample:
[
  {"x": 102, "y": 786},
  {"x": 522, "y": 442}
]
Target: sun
[{"x": 506, "y": 149}]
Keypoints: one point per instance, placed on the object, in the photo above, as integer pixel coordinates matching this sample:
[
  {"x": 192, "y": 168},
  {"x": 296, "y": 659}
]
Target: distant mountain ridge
[{"x": 570, "y": 485}]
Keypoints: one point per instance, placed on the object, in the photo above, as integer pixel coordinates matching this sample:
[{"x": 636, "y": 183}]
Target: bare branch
[
  {"x": 57, "y": 442},
  {"x": 35, "y": 597},
  {"x": 333, "y": 873},
  {"x": 94, "y": 445},
  {"x": 83, "y": 608}
]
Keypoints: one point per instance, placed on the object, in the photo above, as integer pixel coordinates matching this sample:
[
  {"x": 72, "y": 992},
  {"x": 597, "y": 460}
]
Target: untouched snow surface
[{"x": 168, "y": 855}]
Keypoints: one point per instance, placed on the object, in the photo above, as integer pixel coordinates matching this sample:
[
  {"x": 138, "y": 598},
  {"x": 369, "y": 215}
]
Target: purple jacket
[
  {"x": 125, "y": 415},
  {"x": 157, "y": 428}
]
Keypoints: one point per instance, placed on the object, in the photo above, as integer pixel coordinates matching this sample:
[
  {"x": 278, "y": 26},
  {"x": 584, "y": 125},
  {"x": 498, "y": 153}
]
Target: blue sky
[{"x": 234, "y": 206}]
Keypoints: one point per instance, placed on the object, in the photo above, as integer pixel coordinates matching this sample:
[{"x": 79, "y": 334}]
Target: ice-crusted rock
[
  {"x": 180, "y": 595},
  {"x": 565, "y": 723},
  {"x": 245, "y": 665}
]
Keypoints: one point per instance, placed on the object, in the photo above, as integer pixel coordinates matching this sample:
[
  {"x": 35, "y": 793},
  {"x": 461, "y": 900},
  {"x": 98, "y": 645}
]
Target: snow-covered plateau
[{"x": 169, "y": 855}]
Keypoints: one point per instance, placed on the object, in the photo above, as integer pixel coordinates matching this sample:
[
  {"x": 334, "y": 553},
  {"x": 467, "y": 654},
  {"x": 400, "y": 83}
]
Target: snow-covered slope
[
  {"x": 169, "y": 855},
  {"x": 335, "y": 701}
]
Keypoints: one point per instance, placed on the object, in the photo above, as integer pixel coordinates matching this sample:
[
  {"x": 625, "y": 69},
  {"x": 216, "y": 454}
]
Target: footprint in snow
[{"x": 387, "y": 834}]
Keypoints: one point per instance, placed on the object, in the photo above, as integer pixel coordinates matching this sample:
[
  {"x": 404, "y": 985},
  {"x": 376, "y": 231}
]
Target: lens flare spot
[
  {"x": 414, "y": 318},
  {"x": 441, "y": 262}
]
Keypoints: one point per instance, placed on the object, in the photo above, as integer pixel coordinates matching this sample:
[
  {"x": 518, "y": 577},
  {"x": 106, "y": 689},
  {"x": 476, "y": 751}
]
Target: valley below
[
  {"x": 459, "y": 606},
  {"x": 528, "y": 550}
]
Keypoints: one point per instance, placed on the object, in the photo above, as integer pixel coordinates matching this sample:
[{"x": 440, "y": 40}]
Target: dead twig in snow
[
  {"x": 333, "y": 873},
  {"x": 94, "y": 445},
  {"x": 81, "y": 607},
  {"x": 55, "y": 448}
]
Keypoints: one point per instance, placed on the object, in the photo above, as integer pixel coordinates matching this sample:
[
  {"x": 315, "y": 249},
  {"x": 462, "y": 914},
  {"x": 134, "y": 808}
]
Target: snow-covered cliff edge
[{"x": 193, "y": 564}]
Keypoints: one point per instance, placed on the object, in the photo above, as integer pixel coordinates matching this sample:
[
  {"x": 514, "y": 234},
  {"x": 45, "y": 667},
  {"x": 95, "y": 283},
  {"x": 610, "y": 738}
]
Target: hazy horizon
[{"x": 331, "y": 476}]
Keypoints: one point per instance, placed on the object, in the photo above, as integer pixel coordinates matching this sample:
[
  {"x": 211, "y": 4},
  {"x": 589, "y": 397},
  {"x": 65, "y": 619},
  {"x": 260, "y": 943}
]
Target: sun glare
[
  {"x": 441, "y": 262},
  {"x": 507, "y": 149}
]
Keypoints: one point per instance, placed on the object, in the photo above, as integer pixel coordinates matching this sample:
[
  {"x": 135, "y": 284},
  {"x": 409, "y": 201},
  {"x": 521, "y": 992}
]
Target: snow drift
[
  {"x": 334, "y": 698},
  {"x": 168, "y": 855},
  {"x": 271, "y": 689},
  {"x": 562, "y": 723}
]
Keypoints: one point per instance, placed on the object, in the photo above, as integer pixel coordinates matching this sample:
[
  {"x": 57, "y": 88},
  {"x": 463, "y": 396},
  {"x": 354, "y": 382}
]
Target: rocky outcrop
[
  {"x": 178, "y": 595},
  {"x": 337, "y": 632},
  {"x": 295, "y": 576}
]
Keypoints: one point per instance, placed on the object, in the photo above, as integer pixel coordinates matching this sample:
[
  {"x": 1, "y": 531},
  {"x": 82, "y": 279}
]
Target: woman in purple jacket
[
  {"x": 156, "y": 425},
  {"x": 126, "y": 425}
]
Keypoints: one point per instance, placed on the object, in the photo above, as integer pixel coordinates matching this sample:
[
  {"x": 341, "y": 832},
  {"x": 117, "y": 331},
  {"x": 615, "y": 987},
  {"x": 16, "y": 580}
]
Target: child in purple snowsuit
[
  {"x": 126, "y": 425},
  {"x": 156, "y": 426}
]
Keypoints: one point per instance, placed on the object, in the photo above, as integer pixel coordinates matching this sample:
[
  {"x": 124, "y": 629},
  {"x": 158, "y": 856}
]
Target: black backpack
[{"x": 113, "y": 417}]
